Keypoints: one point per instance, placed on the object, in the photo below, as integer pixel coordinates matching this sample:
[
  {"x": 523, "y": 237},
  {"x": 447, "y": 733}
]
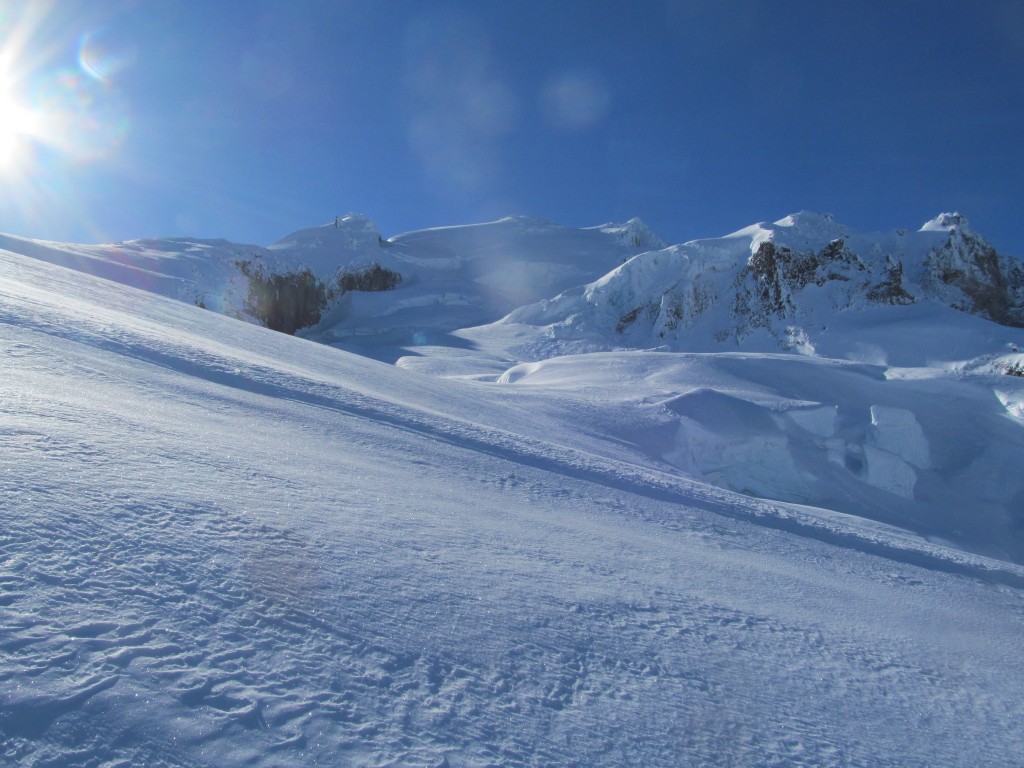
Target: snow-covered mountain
[
  {"x": 780, "y": 286},
  {"x": 799, "y": 544},
  {"x": 456, "y": 277},
  {"x": 449, "y": 278},
  {"x": 766, "y": 287}
]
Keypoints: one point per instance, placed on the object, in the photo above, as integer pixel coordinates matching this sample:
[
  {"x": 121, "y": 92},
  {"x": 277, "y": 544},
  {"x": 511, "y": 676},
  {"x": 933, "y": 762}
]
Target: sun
[
  {"x": 18, "y": 125},
  {"x": 65, "y": 112}
]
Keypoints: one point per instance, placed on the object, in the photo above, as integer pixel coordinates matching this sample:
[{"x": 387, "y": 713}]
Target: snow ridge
[{"x": 776, "y": 282}]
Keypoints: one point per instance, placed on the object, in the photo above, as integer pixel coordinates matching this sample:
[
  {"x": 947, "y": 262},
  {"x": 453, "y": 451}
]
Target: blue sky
[{"x": 248, "y": 120}]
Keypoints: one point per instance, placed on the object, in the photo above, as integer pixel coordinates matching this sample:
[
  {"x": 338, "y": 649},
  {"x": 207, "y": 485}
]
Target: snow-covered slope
[
  {"x": 224, "y": 546},
  {"x": 863, "y": 373},
  {"x": 808, "y": 428},
  {"x": 192, "y": 270},
  {"x": 931, "y": 451},
  {"x": 455, "y": 277},
  {"x": 450, "y": 277}
]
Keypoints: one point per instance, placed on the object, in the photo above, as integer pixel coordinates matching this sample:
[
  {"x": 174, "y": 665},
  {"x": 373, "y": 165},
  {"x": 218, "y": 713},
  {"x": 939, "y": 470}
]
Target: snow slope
[
  {"x": 892, "y": 302},
  {"x": 452, "y": 277},
  {"x": 836, "y": 369},
  {"x": 455, "y": 277},
  {"x": 221, "y": 545},
  {"x": 933, "y": 452}
]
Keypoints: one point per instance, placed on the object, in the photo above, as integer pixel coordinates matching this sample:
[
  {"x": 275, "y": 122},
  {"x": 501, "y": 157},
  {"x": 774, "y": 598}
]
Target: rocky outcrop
[
  {"x": 968, "y": 274},
  {"x": 787, "y": 280},
  {"x": 890, "y": 290},
  {"x": 767, "y": 287}
]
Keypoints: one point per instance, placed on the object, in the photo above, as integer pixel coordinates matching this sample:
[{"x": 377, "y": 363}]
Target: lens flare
[
  {"x": 102, "y": 56},
  {"x": 81, "y": 118},
  {"x": 574, "y": 101}
]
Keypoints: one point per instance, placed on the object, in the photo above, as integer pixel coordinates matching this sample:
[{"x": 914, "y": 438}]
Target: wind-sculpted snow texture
[
  {"x": 928, "y": 451},
  {"x": 221, "y": 545}
]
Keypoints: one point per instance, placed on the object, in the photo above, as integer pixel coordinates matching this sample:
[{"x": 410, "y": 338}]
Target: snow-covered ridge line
[
  {"x": 472, "y": 273},
  {"x": 767, "y": 283},
  {"x": 782, "y": 283}
]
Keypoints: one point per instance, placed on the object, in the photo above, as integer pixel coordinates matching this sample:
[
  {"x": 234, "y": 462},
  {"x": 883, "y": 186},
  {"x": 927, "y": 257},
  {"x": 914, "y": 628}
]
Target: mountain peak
[
  {"x": 812, "y": 225},
  {"x": 352, "y": 230},
  {"x": 636, "y": 232},
  {"x": 805, "y": 218},
  {"x": 947, "y": 222},
  {"x": 353, "y": 221},
  {"x": 781, "y": 285}
]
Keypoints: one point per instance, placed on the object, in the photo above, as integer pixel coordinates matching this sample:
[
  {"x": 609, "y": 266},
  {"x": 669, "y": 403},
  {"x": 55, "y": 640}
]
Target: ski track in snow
[{"x": 209, "y": 559}]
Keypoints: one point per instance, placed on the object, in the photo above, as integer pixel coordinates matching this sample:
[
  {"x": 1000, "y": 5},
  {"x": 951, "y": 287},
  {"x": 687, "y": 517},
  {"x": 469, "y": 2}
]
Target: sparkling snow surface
[{"x": 224, "y": 546}]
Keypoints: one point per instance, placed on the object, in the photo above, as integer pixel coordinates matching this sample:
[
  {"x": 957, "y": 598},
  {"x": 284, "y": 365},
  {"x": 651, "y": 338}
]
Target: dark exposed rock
[
  {"x": 981, "y": 280},
  {"x": 1014, "y": 369},
  {"x": 373, "y": 277},
  {"x": 627, "y": 319},
  {"x": 766, "y": 286},
  {"x": 890, "y": 290},
  {"x": 283, "y": 302}
]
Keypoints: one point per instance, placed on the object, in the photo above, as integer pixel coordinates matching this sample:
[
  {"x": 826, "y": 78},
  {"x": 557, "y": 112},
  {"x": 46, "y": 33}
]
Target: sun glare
[
  {"x": 17, "y": 126},
  {"x": 64, "y": 113}
]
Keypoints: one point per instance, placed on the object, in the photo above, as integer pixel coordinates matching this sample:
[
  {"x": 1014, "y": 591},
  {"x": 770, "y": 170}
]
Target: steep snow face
[
  {"x": 779, "y": 285},
  {"x": 734, "y": 443},
  {"x": 947, "y": 222}
]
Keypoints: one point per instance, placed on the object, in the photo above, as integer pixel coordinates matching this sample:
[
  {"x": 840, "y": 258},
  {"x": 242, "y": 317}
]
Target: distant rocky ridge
[
  {"x": 786, "y": 279},
  {"x": 968, "y": 274}
]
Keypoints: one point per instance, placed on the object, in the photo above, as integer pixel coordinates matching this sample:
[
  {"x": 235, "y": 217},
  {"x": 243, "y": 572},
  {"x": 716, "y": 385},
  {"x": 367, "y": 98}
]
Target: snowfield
[{"x": 225, "y": 546}]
